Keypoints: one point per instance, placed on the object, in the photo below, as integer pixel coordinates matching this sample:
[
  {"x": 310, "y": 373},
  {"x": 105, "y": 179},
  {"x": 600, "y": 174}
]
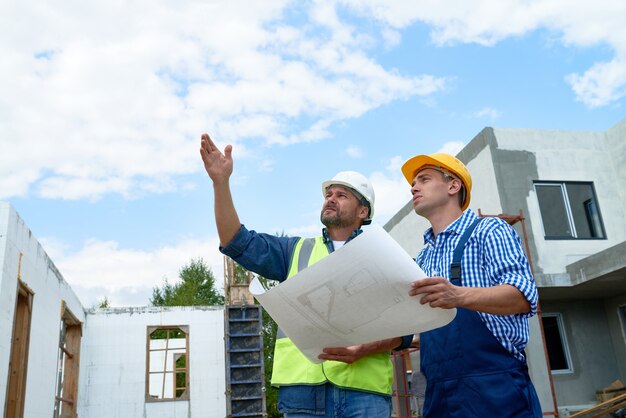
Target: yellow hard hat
[{"x": 441, "y": 160}]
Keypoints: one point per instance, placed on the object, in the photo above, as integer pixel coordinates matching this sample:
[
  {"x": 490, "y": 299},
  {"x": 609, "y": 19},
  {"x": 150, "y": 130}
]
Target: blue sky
[{"x": 103, "y": 105}]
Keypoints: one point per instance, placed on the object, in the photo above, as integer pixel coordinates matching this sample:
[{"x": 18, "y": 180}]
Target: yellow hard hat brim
[{"x": 413, "y": 165}]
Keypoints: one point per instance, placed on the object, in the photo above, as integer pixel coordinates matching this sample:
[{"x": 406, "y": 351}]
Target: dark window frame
[
  {"x": 593, "y": 226},
  {"x": 565, "y": 354}
]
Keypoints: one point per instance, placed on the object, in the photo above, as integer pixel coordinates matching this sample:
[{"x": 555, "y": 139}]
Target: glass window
[
  {"x": 569, "y": 210},
  {"x": 168, "y": 373},
  {"x": 556, "y": 343}
]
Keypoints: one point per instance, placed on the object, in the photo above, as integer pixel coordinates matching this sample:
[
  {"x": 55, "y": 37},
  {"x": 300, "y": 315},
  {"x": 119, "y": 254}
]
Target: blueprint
[{"x": 356, "y": 295}]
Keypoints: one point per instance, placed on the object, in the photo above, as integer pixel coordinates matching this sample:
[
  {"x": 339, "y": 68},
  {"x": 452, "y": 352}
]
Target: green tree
[
  {"x": 104, "y": 303},
  {"x": 269, "y": 338},
  {"x": 101, "y": 304},
  {"x": 195, "y": 288}
]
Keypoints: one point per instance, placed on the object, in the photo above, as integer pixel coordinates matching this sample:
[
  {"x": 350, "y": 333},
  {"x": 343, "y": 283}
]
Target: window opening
[
  {"x": 569, "y": 210},
  {"x": 18, "y": 365},
  {"x": 556, "y": 343},
  {"x": 68, "y": 363},
  {"x": 167, "y": 358}
]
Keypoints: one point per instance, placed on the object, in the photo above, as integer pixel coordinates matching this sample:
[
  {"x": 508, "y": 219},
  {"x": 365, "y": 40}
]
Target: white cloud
[
  {"x": 575, "y": 22},
  {"x": 354, "y": 151},
  {"x": 108, "y": 97},
  {"x": 395, "y": 164},
  {"x": 309, "y": 230},
  {"x": 392, "y": 193},
  {"x": 126, "y": 276},
  {"x": 391, "y": 188},
  {"x": 391, "y": 37},
  {"x": 603, "y": 83},
  {"x": 453, "y": 147},
  {"x": 487, "y": 112}
]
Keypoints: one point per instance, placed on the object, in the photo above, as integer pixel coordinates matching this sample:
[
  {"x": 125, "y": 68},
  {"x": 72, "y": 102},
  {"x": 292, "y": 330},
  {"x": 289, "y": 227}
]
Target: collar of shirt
[
  {"x": 326, "y": 239},
  {"x": 457, "y": 227}
]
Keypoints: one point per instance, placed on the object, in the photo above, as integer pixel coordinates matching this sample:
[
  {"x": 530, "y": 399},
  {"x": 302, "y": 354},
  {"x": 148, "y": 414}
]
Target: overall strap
[{"x": 455, "y": 266}]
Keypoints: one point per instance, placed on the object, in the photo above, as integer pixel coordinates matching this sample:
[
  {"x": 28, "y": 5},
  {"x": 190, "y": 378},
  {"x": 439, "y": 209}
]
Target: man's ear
[
  {"x": 363, "y": 212},
  {"x": 454, "y": 186}
]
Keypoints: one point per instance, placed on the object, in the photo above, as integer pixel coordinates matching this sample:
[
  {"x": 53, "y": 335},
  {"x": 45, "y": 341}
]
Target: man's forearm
[
  {"x": 226, "y": 218},
  {"x": 498, "y": 300},
  {"x": 382, "y": 346},
  {"x": 357, "y": 352}
]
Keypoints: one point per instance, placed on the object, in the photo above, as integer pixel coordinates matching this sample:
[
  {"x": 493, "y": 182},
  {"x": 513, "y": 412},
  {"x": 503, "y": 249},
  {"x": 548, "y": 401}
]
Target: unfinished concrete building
[
  {"x": 564, "y": 192},
  {"x": 59, "y": 360}
]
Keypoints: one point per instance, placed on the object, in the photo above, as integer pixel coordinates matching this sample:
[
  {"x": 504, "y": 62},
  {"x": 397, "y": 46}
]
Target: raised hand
[{"x": 217, "y": 165}]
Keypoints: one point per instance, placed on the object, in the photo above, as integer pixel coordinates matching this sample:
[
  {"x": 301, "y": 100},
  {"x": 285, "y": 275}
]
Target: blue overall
[{"x": 468, "y": 372}]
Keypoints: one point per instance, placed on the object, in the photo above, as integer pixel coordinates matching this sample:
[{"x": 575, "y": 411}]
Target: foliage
[
  {"x": 269, "y": 338},
  {"x": 241, "y": 275},
  {"x": 102, "y": 303},
  {"x": 195, "y": 288}
]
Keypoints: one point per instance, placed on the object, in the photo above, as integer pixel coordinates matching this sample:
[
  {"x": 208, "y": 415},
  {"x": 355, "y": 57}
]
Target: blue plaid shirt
[{"x": 493, "y": 256}]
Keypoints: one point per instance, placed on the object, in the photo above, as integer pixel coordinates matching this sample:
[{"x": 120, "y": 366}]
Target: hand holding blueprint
[{"x": 356, "y": 295}]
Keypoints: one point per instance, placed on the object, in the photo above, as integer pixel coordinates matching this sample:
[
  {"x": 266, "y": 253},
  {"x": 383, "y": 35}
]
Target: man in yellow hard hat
[
  {"x": 475, "y": 366},
  {"x": 352, "y": 381}
]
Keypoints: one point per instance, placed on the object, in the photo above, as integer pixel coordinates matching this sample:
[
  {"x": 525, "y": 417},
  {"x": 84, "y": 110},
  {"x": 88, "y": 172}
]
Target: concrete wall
[
  {"x": 113, "y": 346},
  {"x": 407, "y": 228},
  {"x": 593, "y": 330},
  {"x": 616, "y": 143},
  {"x": 538, "y": 367},
  {"x": 113, "y": 366},
  {"x": 563, "y": 156},
  {"x": 617, "y": 331},
  {"x": 591, "y": 349},
  {"x": 38, "y": 272}
]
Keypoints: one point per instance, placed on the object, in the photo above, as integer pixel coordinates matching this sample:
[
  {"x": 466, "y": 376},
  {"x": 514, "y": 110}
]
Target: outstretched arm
[{"x": 219, "y": 167}]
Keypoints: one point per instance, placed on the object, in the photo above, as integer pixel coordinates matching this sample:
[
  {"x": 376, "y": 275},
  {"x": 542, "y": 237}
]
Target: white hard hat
[{"x": 356, "y": 182}]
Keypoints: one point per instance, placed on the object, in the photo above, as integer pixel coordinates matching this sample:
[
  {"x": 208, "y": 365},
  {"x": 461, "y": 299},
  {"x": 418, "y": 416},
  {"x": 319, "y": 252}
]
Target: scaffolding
[
  {"x": 512, "y": 220},
  {"x": 243, "y": 345}
]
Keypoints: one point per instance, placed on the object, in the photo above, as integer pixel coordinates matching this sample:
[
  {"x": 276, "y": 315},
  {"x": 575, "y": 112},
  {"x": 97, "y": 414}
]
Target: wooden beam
[{"x": 604, "y": 407}]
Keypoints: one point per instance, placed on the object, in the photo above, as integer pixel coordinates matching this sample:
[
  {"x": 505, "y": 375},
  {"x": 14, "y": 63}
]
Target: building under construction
[
  {"x": 561, "y": 190},
  {"x": 567, "y": 188}
]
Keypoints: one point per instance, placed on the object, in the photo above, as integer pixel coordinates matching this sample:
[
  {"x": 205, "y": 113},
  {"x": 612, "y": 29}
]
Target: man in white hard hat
[
  {"x": 475, "y": 366},
  {"x": 353, "y": 381}
]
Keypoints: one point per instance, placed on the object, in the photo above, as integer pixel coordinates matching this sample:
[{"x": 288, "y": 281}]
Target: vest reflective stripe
[
  {"x": 304, "y": 255},
  {"x": 372, "y": 374}
]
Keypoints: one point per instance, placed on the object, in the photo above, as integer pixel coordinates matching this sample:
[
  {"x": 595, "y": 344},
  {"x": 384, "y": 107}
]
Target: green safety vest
[{"x": 372, "y": 373}]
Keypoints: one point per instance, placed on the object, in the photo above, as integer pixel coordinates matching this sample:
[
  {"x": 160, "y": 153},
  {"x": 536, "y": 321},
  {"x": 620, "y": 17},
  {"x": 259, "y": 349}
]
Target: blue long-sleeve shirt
[{"x": 493, "y": 256}]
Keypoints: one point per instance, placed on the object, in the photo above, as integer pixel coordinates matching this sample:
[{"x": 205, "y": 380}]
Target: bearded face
[{"x": 341, "y": 208}]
